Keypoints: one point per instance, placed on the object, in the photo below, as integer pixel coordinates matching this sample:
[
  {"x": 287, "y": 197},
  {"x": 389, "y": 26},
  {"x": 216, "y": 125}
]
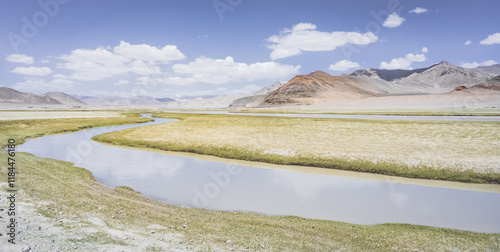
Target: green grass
[
  {"x": 198, "y": 133},
  {"x": 59, "y": 186}
]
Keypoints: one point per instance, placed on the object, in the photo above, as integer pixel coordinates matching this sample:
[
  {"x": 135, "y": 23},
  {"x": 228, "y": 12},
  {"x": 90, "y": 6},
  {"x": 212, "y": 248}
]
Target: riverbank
[
  {"x": 63, "y": 206},
  {"x": 491, "y": 188},
  {"x": 492, "y": 111},
  {"x": 437, "y": 150}
]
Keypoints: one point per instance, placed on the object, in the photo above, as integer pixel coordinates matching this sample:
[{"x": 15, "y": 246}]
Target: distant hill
[
  {"x": 439, "y": 84},
  {"x": 317, "y": 87},
  {"x": 386, "y": 75},
  {"x": 438, "y": 78},
  {"x": 64, "y": 98},
  {"x": 9, "y": 95},
  {"x": 165, "y": 100},
  {"x": 442, "y": 77},
  {"x": 490, "y": 84},
  {"x": 491, "y": 71},
  {"x": 256, "y": 98},
  {"x": 116, "y": 100},
  {"x": 313, "y": 88},
  {"x": 223, "y": 101}
]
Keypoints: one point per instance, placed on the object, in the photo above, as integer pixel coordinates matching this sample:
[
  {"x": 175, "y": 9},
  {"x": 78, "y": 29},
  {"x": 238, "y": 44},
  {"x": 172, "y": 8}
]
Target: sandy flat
[{"x": 456, "y": 100}]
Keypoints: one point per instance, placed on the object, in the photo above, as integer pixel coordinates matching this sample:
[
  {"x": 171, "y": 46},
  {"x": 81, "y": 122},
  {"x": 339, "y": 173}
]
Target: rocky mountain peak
[{"x": 444, "y": 64}]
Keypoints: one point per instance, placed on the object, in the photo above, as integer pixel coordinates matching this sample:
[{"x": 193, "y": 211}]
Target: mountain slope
[
  {"x": 317, "y": 87},
  {"x": 116, "y": 100},
  {"x": 492, "y": 70},
  {"x": 490, "y": 84},
  {"x": 438, "y": 78},
  {"x": 9, "y": 95},
  {"x": 64, "y": 98},
  {"x": 441, "y": 78},
  {"x": 386, "y": 75},
  {"x": 255, "y": 98},
  {"x": 269, "y": 89}
]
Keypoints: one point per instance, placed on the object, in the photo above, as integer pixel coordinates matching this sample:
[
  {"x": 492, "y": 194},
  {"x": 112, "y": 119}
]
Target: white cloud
[
  {"x": 220, "y": 71},
  {"x": 304, "y": 26},
  {"x": 102, "y": 63},
  {"x": 146, "y": 52},
  {"x": 393, "y": 20},
  {"x": 468, "y": 42},
  {"x": 141, "y": 68},
  {"x": 245, "y": 90},
  {"x": 425, "y": 49},
  {"x": 20, "y": 58},
  {"x": 343, "y": 65},
  {"x": 122, "y": 82},
  {"x": 60, "y": 76},
  {"x": 33, "y": 71},
  {"x": 149, "y": 81},
  {"x": 419, "y": 10},
  {"x": 37, "y": 84},
  {"x": 61, "y": 82},
  {"x": 476, "y": 64},
  {"x": 403, "y": 63},
  {"x": 491, "y": 39},
  {"x": 398, "y": 63},
  {"x": 305, "y": 37},
  {"x": 44, "y": 61},
  {"x": 95, "y": 64},
  {"x": 415, "y": 57}
]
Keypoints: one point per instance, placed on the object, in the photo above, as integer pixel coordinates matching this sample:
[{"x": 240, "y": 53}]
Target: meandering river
[{"x": 193, "y": 182}]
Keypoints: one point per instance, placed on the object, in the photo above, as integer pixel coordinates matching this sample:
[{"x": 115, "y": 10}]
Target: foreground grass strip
[
  {"x": 317, "y": 141},
  {"x": 60, "y": 191}
]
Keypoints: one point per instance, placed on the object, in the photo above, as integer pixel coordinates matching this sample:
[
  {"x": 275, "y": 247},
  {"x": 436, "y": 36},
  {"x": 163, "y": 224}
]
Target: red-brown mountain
[{"x": 318, "y": 87}]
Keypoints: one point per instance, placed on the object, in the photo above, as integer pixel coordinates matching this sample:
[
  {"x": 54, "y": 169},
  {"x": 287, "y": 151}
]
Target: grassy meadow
[
  {"x": 441, "y": 150},
  {"x": 81, "y": 214}
]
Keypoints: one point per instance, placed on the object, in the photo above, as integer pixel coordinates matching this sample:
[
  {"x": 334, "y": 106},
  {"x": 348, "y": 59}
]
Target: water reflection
[{"x": 215, "y": 185}]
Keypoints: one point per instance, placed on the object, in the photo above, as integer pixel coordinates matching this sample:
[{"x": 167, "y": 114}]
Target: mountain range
[
  {"x": 9, "y": 95},
  {"x": 222, "y": 101},
  {"x": 438, "y": 78},
  {"x": 443, "y": 82},
  {"x": 368, "y": 84},
  {"x": 116, "y": 100}
]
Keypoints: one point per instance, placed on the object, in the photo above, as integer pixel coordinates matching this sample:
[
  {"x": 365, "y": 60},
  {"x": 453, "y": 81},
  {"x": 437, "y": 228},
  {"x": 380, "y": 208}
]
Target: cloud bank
[{"x": 304, "y": 37}]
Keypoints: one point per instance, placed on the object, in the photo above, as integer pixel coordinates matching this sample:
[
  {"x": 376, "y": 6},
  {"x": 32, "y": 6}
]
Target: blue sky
[{"x": 195, "y": 47}]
